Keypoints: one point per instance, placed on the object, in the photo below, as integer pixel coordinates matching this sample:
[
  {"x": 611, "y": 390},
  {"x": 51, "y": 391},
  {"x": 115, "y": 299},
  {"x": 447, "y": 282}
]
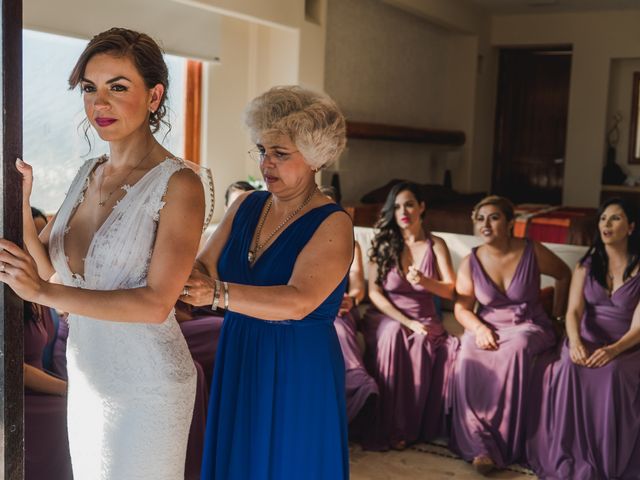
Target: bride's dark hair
[
  {"x": 146, "y": 55},
  {"x": 388, "y": 243}
]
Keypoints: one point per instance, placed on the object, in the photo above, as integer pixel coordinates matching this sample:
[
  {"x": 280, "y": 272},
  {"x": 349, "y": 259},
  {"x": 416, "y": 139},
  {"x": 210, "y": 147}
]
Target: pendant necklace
[
  {"x": 102, "y": 202},
  {"x": 251, "y": 255}
]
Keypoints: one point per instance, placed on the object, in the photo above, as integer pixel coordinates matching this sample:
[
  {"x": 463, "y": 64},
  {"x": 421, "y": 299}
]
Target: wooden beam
[
  {"x": 193, "y": 111},
  {"x": 11, "y": 315},
  {"x": 395, "y": 133}
]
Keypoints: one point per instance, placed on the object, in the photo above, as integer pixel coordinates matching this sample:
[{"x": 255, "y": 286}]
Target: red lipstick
[{"x": 105, "y": 122}]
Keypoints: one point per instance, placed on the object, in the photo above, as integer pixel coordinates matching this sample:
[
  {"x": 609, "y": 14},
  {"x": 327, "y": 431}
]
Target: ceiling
[{"x": 552, "y": 6}]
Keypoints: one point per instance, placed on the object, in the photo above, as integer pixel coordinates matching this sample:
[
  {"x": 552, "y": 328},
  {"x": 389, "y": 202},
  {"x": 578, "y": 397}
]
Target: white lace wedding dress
[{"x": 131, "y": 385}]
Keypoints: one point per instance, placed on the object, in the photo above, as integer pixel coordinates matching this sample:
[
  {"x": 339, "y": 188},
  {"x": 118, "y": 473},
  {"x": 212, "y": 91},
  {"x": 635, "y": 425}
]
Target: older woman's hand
[
  {"x": 19, "y": 271},
  {"x": 486, "y": 339},
  {"x": 198, "y": 290}
]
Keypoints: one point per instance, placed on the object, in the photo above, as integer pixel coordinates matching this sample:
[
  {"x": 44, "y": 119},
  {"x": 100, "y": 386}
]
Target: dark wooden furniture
[
  {"x": 631, "y": 194},
  {"x": 634, "y": 148},
  {"x": 395, "y": 133}
]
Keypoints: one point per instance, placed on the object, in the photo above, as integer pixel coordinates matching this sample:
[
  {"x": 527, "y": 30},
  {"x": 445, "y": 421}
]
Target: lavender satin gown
[
  {"x": 412, "y": 371},
  {"x": 360, "y": 386},
  {"x": 590, "y": 421},
  {"x": 201, "y": 329},
  {"x": 492, "y": 389},
  {"x": 45, "y": 416}
]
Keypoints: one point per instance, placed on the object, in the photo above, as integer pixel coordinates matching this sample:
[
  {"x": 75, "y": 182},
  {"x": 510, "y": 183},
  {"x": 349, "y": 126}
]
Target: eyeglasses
[{"x": 260, "y": 156}]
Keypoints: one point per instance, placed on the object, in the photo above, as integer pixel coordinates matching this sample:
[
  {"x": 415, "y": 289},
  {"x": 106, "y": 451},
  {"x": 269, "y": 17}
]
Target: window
[{"x": 54, "y": 141}]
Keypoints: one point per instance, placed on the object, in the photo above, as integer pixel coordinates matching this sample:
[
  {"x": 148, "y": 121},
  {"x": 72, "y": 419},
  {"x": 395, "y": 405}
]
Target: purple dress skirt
[
  {"x": 412, "y": 371},
  {"x": 59, "y": 351},
  {"x": 201, "y": 329},
  {"x": 361, "y": 388},
  {"x": 195, "y": 444},
  {"x": 45, "y": 416},
  {"x": 590, "y": 420},
  {"x": 492, "y": 390},
  {"x": 201, "y": 333}
]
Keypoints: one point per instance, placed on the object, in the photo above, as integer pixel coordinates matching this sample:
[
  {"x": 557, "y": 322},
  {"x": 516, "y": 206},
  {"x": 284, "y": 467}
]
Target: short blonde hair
[
  {"x": 311, "y": 120},
  {"x": 501, "y": 203}
]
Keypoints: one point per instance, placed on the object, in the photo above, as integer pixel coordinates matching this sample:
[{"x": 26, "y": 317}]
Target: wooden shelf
[
  {"x": 394, "y": 133},
  {"x": 621, "y": 188}
]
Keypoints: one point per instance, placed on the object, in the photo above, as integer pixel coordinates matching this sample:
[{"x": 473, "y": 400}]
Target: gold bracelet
[
  {"x": 216, "y": 294},
  {"x": 226, "y": 295}
]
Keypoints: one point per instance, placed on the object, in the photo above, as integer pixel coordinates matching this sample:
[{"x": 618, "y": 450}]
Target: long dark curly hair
[
  {"x": 598, "y": 254},
  {"x": 388, "y": 243}
]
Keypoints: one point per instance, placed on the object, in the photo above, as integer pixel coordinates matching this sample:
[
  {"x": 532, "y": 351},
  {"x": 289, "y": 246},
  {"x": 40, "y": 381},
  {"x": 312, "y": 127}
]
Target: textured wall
[
  {"x": 597, "y": 38},
  {"x": 620, "y": 91},
  {"x": 386, "y": 66}
]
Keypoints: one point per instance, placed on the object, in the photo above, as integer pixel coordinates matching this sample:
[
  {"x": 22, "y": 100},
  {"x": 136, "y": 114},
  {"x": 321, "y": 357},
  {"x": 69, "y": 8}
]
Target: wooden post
[
  {"x": 11, "y": 315},
  {"x": 193, "y": 111}
]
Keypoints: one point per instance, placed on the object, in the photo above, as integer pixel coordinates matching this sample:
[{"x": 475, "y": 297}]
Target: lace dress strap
[
  {"x": 74, "y": 196},
  {"x": 159, "y": 184}
]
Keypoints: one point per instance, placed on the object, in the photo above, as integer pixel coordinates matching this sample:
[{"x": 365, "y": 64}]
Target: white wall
[
  {"x": 467, "y": 101},
  {"x": 620, "y": 93},
  {"x": 226, "y": 93},
  {"x": 254, "y": 58},
  {"x": 385, "y": 65},
  {"x": 597, "y": 38},
  {"x": 262, "y": 44}
]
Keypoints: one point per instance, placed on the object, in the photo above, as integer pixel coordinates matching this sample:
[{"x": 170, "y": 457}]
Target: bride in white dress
[{"x": 119, "y": 250}]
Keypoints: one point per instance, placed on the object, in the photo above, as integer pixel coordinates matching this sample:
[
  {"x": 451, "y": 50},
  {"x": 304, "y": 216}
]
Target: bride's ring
[{"x": 185, "y": 291}]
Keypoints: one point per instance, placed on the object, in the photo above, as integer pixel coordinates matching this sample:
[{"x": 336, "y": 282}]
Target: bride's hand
[
  {"x": 27, "y": 179},
  {"x": 19, "y": 271},
  {"x": 198, "y": 290}
]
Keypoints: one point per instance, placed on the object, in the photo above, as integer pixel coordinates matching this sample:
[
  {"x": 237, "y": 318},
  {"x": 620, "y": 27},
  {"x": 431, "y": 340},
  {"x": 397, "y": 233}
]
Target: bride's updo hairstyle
[
  {"x": 311, "y": 120},
  {"x": 146, "y": 56}
]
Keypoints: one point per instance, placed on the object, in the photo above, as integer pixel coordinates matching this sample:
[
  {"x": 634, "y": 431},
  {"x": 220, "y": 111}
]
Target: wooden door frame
[{"x": 11, "y": 315}]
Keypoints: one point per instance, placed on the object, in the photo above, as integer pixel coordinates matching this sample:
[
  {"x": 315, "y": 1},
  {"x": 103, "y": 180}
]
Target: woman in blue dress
[{"x": 277, "y": 264}]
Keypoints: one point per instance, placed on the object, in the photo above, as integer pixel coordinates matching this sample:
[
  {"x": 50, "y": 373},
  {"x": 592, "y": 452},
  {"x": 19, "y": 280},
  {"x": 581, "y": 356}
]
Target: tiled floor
[{"x": 423, "y": 462}]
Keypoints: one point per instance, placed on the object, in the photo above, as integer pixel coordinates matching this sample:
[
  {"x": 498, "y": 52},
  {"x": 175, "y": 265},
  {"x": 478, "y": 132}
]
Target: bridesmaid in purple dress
[
  {"x": 408, "y": 350},
  {"x": 361, "y": 388},
  {"x": 493, "y": 380},
  {"x": 45, "y": 403},
  {"x": 590, "y": 425}
]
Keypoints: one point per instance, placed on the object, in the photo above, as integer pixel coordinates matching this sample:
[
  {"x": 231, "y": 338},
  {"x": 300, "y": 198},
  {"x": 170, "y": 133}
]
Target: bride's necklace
[
  {"x": 251, "y": 255},
  {"x": 102, "y": 202}
]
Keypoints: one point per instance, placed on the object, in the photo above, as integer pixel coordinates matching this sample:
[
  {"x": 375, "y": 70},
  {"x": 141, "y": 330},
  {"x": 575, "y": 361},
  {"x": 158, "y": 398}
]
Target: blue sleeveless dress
[{"x": 277, "y": 408}]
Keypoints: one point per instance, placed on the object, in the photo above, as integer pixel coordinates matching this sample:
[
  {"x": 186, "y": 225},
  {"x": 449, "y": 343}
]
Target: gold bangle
[
  {"x": 216, "y": 294},
  {"x": 226, "y": 295}
]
